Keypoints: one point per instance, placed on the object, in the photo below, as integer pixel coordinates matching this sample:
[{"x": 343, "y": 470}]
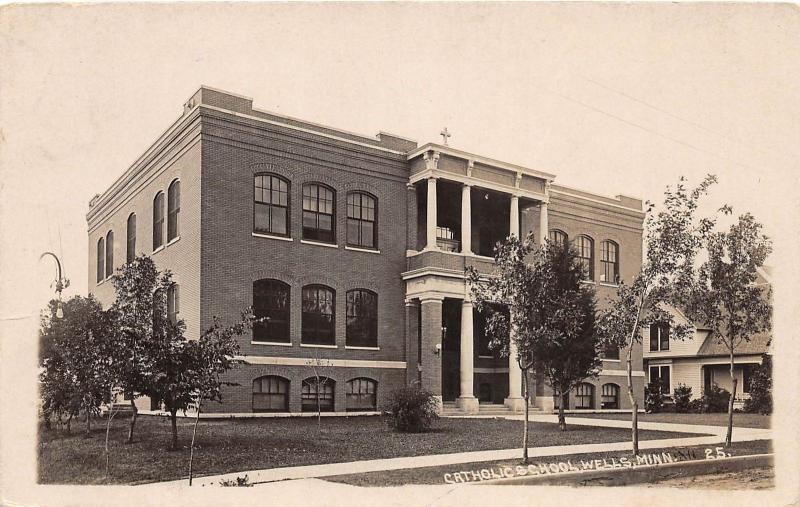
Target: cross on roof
[{"x": 445, "y": 134}]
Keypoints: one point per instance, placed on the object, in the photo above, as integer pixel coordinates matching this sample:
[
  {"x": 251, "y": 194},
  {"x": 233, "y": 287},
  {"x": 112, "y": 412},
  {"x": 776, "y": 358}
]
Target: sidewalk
[{"x": 717, "y": 435}]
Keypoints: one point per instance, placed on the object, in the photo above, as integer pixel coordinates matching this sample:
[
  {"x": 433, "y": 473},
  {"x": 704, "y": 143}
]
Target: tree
[
  {"x": 726, "y": 297},
  {"x": 137, "y": 284},
  {"x": 673, "y": 237},
  {"x": 210, "y": 358},
  {"x": 760, "y": 400},
  {"x": 547, "y": 309},
  {"x": 75, "y": 355},
  {"x": 569, "y": 355},
  {"x": 318, "y": 368}
]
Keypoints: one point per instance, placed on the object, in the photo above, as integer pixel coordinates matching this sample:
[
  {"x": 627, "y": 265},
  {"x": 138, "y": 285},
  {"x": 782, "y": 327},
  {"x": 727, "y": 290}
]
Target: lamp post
[{"x": 61, "y": 283}]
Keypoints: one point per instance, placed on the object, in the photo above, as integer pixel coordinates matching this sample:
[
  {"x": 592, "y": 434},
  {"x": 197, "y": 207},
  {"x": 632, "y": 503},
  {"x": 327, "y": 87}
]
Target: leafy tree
[
  {"x": 75, "y": 355},
  {"x": 140, "y": 333},
  {"x": 726, "y": 297},
  {"x": 760, "y": 400},
  {"x": 673, "y": 237},
  {"x": 548, "y": 309},
  {"x": 569, "y": 354},
  {"x": 210, "y": 357}
]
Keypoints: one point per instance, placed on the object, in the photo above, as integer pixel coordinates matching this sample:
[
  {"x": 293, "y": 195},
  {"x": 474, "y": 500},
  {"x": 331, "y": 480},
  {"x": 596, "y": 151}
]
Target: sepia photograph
[{"x": 399, "y": 253}]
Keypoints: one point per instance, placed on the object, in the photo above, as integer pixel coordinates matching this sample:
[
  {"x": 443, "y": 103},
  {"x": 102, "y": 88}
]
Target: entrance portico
[{"x": 465, "y": 205}]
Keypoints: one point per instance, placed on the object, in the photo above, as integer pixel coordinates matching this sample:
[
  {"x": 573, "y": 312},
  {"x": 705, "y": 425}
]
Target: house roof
[{"x": 758, "y": 344}]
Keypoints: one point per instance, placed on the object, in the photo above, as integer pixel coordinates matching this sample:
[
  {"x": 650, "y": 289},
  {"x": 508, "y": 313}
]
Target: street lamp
[{"x": 61, "y": 284}]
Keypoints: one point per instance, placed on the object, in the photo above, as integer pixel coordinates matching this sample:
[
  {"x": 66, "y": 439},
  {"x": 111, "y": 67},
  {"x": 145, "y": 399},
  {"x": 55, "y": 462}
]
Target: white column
[
  {"x": 514, "y": 399},
  {"x": 431, "y": 215},
  {"x": 514, "y": 224},
  {"x": 543, "y": 226},
  {"x": 466, "y": 400},
  {"x": 466, "y": 219}
]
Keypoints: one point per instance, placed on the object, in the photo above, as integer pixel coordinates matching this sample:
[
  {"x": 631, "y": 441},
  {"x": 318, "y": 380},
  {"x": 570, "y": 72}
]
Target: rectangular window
[
  {"x": 747, "y": 377},
  {"x": 661, "y": 374},
  {"x": 659, "y": 337}
]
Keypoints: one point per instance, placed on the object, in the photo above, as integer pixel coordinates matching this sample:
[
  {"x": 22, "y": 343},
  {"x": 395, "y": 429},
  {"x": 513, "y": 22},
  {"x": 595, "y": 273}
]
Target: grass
[
  {"x": 252, "y": 444},
  {"x": 740, "y": 419},
  {"x": 435, "y": 475}
]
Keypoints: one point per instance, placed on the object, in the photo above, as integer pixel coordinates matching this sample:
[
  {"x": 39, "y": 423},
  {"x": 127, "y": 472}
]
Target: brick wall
[
  {"x": 179, "y": 160},
  {"x": 233, "y": 258}
]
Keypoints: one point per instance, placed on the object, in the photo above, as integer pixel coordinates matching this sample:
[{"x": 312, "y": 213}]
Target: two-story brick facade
[{"x": 353, "y": 247}]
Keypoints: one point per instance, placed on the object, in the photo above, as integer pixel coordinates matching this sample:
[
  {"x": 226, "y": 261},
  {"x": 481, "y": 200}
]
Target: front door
[{"x": 451, "y": 349}]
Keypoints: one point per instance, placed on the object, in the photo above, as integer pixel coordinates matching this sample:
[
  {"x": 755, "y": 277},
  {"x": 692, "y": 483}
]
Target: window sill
[
  {"x": 611, "y": 360},
  {"x": 159, "y": 249},
  {"x": 365, "y": 250},
  {"x": 608, "y": 284},
  {"x": 270, "y": 236},
  {"x": 317, "y": 243},
  {"x": 485, "y": 357},
  {"x": 318, "y": 346},
  {"x": 590, "y": 282},
  {"x": 280, "y": 344},
  {"x": 173, "y": 241},
  {"x": 355, "y": 347}
]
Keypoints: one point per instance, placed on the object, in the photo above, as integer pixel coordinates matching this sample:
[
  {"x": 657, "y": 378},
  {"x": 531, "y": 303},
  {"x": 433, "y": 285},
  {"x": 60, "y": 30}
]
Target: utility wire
[
  {"x": 675, "y": 116},
  {"x": 642, "y": 127}
]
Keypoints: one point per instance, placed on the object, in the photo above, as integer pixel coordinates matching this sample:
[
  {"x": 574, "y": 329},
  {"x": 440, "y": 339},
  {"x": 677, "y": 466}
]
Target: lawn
[
  {"x": 252, "y": 444},
  {"x": 740, "y": 419},
  {"x": 435, "y": 475}
]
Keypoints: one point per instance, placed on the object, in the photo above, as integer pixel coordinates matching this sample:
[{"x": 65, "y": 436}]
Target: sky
[{"x": 612, "y": 98}]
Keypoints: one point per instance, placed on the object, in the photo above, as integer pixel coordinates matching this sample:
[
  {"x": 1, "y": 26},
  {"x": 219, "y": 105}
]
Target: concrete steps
[{"x": 449, "y": 408}]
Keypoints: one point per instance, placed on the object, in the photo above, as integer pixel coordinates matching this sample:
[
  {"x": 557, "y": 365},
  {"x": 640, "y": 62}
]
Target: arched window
[
  {"x": 585, "y": 248},
  {"x": 101, "y": 260},
  {"x": 609, "y": 258},
  {"x": 318, "y": 393},
  {"x": 158, "y": 220},
  {"x": 319, "y": 221},
  {"x": 271, "y": 205},
  {"x": 271, "y": 301},
  {"x": 270, "y": 394},
  {"x": 609, "y": 396},
  {"x": 362, "y": 212},
  {"x": 318, "y": 312},
  {"x": 584, "y": 396},
  {"x": 109, "y": 253},
  {"x": 174, "y": 208},
  {"x": 173, "y": 302},
  {"x": 362, "y": 318},
  {"x": 130, "y": 249},
  {"x": 361, "y": 395},
  {"x": 557, "y": 237}
]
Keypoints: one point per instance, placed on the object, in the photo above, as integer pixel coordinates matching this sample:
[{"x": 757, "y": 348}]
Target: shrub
[
  {"x": 696, "y": 406},
  {"x": 411, "y": 409},
  {"x": 240, "y": 482},
  {"x": 682, "y": 395},
  {"x": 716, "y": 399},
  {"x": 760, "y": 400},
  {"x": 653, "y": 399}
]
